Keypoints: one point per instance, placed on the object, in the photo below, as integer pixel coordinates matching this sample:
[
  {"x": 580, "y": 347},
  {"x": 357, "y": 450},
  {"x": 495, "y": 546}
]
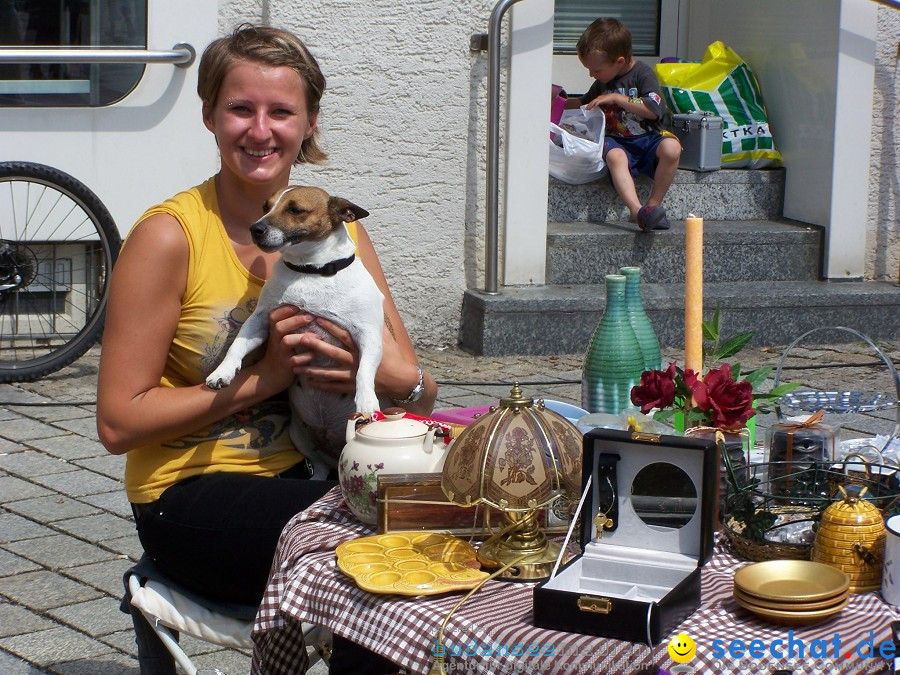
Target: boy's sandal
[{"x": 652, "y": 218}]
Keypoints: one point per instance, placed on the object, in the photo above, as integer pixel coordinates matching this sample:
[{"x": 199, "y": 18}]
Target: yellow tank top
[{"x": 219, "y": 296}]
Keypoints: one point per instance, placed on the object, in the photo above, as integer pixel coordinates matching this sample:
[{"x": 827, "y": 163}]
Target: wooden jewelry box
[{"x": 646, "y": 530}]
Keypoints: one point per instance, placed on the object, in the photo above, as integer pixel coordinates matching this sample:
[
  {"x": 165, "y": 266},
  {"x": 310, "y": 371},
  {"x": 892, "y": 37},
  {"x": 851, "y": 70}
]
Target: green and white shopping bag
[{"x": 723, "y": 84}]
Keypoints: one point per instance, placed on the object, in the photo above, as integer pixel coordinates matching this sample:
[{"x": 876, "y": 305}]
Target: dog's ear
[{"x": 345, "y": 211}]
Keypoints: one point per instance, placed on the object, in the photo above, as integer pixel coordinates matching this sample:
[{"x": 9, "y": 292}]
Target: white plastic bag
[{"x": 576, "y": 148}]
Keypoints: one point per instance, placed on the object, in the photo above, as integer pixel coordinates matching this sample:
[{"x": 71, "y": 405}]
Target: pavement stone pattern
[{"x": 67, "y": 534}]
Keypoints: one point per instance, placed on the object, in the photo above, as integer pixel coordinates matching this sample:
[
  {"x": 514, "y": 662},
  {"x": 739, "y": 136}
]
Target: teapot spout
[{"x": 351, "y": 428}]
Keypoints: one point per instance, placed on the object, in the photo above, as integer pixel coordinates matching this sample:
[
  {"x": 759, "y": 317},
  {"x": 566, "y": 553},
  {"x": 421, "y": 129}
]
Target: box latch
[{"x": 587, "y": 603}]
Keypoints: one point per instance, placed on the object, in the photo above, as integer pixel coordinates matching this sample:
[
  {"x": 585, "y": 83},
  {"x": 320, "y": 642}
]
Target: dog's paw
[
  {"x": 220, "y": 377},
  {"x": 366, "y": 403}
]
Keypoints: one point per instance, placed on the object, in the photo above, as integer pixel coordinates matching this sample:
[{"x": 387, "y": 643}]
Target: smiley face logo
[{"x": 682, "y": 648}]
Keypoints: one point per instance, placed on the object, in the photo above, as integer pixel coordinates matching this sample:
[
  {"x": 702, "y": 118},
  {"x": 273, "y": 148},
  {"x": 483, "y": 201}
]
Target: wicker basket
[
  {"x": 759, "y": 551},
  {"x": 760, "y": 494}
]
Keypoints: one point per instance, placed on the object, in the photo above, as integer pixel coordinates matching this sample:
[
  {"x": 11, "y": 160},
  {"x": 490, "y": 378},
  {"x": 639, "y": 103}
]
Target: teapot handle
[{"x": 356, "y": 419}]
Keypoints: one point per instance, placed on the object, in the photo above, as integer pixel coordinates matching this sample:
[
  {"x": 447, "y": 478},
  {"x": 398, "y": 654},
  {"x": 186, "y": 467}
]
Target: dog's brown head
[{"x": 301, "y": 213}]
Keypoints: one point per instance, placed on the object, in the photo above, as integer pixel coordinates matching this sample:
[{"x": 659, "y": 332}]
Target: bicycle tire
[{"x": 61, "y": 243}]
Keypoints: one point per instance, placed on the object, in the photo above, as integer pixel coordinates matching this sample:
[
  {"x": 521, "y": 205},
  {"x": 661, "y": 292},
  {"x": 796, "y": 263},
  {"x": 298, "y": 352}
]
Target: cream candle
[{"x": 693, "y": 293}]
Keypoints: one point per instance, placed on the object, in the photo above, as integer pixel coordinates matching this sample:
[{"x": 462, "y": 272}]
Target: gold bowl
[{"x": 791, "y": 581}]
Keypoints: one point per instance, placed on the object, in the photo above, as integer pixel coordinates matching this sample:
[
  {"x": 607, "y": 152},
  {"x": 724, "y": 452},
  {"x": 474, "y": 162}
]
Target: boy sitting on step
[{"x": 629, "y": 94}]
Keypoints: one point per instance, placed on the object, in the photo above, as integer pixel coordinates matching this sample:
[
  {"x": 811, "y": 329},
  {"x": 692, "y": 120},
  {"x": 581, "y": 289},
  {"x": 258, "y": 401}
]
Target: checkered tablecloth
[{"x": 481, "y": 637}]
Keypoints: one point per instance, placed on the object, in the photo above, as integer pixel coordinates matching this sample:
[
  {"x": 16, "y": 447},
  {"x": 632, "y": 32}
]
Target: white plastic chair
[{"x": 170, "y": 613}]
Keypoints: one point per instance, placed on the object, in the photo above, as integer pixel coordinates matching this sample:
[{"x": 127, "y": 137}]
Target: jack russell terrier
[{"x": 319, "y": 273}]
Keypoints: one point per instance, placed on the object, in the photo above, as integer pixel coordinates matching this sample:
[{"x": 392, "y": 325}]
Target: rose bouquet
[{"x": 722, "y": 398}]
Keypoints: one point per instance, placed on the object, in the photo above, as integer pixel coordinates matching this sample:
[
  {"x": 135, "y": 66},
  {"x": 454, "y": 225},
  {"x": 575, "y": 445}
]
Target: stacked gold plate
[{"x": 791, "y": 592}]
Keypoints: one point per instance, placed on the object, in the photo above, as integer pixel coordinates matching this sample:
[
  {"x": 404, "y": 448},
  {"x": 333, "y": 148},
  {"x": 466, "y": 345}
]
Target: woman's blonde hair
[{"x": 272, "y": 47}]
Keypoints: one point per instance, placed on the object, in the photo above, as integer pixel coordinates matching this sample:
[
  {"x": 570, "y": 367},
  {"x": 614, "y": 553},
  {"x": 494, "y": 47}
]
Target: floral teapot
[{"x": 395, "y": 444}]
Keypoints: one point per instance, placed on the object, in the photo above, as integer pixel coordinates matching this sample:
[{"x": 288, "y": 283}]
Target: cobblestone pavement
[{"x": 67, "y": 535}]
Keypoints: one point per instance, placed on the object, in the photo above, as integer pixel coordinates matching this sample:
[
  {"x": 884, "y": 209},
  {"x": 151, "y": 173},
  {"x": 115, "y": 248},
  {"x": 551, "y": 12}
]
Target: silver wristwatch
[{"x": 417, "y": 391}]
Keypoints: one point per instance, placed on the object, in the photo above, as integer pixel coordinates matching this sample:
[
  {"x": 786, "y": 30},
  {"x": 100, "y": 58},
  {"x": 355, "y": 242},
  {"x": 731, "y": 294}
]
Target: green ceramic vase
[
  {"x": 640, "y": 322},
  {"x": 613, "y": 363}
]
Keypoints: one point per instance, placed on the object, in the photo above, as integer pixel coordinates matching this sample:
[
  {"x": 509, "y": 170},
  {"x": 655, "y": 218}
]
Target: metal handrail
[
  {"x": 181, "y": 55},
  {"x": 492, "y": 226}
]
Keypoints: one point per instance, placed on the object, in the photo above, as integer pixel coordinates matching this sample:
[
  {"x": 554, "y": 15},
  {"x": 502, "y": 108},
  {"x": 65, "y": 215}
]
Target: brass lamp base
[
  {"x": 536, "y": 567},
  {"x": 521, "y": 537}
]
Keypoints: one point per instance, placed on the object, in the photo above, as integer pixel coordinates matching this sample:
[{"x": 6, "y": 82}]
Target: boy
[{"x": 628, "y": 92}]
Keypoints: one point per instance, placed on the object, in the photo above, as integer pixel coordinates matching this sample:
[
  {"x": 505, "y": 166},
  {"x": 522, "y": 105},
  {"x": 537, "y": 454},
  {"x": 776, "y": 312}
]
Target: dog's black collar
[{"x": 327, "y": 270}]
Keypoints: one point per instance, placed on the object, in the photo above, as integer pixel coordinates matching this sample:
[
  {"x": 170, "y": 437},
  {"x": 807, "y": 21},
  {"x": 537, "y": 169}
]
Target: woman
[{"x": 212, "y": 475}]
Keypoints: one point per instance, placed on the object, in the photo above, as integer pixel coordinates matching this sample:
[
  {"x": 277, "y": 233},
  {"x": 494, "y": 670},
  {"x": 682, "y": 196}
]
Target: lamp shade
[{"x": 518, "y": 456}]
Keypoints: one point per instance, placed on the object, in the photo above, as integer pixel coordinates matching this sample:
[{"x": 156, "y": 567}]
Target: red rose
[
  {"x": 656, "y": 390},
  {"x": 729, "y": 402},
  {"x": 690, "y": 379}
]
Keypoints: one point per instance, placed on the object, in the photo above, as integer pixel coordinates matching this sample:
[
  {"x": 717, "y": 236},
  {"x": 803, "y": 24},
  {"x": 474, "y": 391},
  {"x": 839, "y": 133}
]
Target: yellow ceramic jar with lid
[{"x": 850, "y": 537}]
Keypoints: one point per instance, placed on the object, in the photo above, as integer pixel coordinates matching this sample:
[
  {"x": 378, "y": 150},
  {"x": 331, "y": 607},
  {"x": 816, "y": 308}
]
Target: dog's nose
[{"x": 257, "y": 229}]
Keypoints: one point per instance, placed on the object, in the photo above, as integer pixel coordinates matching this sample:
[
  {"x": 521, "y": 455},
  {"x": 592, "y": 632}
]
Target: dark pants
[{"x": 216, "y": 534}]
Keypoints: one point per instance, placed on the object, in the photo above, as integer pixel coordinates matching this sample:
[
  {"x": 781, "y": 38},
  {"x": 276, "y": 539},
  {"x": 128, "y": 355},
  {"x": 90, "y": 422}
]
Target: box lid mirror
[{"x": 651, "y": 492}]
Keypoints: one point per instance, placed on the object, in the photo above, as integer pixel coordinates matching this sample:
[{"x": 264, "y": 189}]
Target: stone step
[
  {"x": 728, "y": 194},
  {"x": 748, "y": 250},
  {"x": 560, "y": 319}
]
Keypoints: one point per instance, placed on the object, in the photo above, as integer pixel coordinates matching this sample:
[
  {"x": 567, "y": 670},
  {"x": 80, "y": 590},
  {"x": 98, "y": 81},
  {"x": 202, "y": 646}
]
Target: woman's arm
[
  {"x": 397, "y": 375},
  {"x": 147, "y": 286}
]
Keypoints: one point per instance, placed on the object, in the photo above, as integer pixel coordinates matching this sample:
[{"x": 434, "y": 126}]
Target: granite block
[
  {"x": 59, "y": 551},
  {"x": 14, "y": 489},
  {"x": 54, "y": 646},
  {"x": 43, "y": 590},
  {"x": 24, "y": 429},
  {"x": 112, "y": 466},
  {"x": 8, "y": 447},
  {"x": 106, "y": 664},
  {"x": 228, "y": 661},
  {"x": 51, "y": 508},
  {"x": 97, "y": 527},
  {"x": 11, "y": 664},
  {"x": 16, "y": 528},
  {"x": 115, "y": 502},
  {"x": 10, "y": 564},
  {"x": 105, "y": 576},
  {"x": 16, "y": 620},
  {"x": 95, "y": 617},
  {"x": 123, "y": 641},
  {"x": 79, "y": 483},
  {"x": 33, "y": 464},
  {"x": 70, "y": 446},
  {"x": 83, "y": 426},
  {"x": 129, "y": 546}
]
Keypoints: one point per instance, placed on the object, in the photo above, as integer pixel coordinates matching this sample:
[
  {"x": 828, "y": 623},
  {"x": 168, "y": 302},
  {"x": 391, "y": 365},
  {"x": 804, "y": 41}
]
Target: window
[
  {"x": 641, "y": 16},
  {"x": 654, "y": 26},
  {"x": 89, "y": 24}
]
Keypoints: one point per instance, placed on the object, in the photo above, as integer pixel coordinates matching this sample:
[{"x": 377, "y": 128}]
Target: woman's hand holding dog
[
  {"x": 392, "y": 380},
  {"x": 277, "y": 366}
]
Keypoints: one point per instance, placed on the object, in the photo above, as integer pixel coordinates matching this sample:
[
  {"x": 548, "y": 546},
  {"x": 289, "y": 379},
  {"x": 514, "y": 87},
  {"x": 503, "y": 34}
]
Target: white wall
[
  {"x": 883, "y": 245},
  {"x": 814, "y": 60}
]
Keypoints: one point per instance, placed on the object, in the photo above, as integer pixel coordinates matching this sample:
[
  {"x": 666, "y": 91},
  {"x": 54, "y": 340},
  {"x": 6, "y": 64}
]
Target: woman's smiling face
[{"x": 260, "y": 120}]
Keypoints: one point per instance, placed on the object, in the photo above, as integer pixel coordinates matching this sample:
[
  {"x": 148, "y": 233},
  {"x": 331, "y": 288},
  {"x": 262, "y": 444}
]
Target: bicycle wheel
[{"x": 58, "y": 245}]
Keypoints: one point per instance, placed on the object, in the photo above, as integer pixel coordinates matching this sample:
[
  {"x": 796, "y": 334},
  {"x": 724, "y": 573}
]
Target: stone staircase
[{"x": 762, "y": 270}]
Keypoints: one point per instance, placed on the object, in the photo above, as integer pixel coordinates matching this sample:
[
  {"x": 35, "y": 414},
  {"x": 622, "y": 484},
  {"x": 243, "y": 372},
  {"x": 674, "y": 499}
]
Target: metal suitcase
[{"x": 700, "y": 134}]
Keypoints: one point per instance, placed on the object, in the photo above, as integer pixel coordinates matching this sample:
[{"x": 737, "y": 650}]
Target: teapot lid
[{"x": 394, "y": 425}]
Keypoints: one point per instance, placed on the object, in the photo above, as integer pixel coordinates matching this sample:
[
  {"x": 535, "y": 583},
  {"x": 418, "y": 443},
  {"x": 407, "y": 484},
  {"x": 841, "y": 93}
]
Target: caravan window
[{"x": 70, "y": 24}]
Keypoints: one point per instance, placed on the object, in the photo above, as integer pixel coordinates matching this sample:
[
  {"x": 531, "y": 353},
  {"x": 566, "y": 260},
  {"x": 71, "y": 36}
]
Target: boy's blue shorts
[{"x": 641, "y": 151}]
